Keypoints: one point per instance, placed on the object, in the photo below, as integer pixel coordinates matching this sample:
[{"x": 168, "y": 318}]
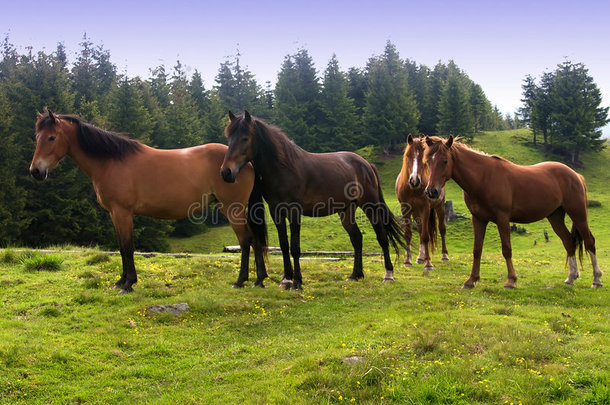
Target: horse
[
  {"x": 499, "y": 191},
  {"x": 414, "y": 204},
  {"x": 295, "y": 182},
  {"x": 130, "y": 178}
]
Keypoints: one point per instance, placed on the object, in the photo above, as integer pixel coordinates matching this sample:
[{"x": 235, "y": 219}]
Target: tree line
[
  {"x": 564, "y": 108},
  {"x": 335, "y": 110}
]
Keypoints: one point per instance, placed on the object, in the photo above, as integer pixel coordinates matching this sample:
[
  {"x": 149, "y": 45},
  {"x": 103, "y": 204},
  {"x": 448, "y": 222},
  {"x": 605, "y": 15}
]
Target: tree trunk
[
  {"x": 450, "y": 214},
  {"x": 534, "y": 137}
]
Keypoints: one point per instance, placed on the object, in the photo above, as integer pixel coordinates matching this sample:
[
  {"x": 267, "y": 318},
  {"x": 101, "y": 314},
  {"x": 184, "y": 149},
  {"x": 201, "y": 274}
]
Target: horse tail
[
  {"x": 577, "y": 238},
  {"x": 432, "y": 230},
  {"x": 256, "y": 215},
  {"x": 390, "y": 223}
]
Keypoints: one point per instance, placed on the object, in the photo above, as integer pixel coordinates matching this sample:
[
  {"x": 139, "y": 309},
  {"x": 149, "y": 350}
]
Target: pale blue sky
[{"x": 496, "y": 42}]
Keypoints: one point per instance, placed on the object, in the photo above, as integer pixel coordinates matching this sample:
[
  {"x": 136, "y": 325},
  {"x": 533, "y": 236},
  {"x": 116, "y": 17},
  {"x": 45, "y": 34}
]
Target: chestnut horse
[
  {"x": 499, "y": 191},
  {"x": 414, "y": 204},
  {"x": 131, "y": 178},
  {"x": 295, "y": 182}
]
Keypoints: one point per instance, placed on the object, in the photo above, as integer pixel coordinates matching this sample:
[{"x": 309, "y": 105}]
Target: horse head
[
  {"x": 438, "y": 158},
  {"x": 241, "y": 137},
  {"x": 52, "y": 144}
]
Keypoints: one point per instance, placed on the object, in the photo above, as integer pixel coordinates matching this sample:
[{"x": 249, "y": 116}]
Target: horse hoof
[
  {"x": 238, "y": 285},
  {"x": 408, "y": 264},
  {"x": 445, "y": 258},
  {"x": 125, "y": 290},
  {"x": 388, "y": 280},
  {"x": 285, "y": 284},
  {"x": 261, "y": 285},
  {"x": 429, "y": 268},
  {"x": 420, "y": 261},
  {"x": 568, "y": 282},
  {"x": 467, "y": 286},
  {"x": 596, "y": 285},
  {"x": 509, "y": 287}
]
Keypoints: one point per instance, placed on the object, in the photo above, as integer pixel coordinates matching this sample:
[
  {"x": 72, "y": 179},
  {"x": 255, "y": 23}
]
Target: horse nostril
[{"x": 226, "y": 175}]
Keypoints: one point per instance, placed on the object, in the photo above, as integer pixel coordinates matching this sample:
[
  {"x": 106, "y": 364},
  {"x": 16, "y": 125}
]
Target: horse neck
[
  {"x": 89, "y": 165},
  {"x": 468, "y": 168},
  {"x": 266, "y": 164}
]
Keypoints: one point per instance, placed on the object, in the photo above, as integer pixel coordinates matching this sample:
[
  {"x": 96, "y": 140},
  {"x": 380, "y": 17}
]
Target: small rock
[
  {"x": 352, "y": 360},
  {"x": 174, "y": 309}
]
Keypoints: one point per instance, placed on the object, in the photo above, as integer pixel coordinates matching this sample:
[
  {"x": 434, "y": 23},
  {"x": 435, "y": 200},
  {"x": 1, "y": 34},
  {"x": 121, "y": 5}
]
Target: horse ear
[
  {"x": 429, "y": 141},
  {"x": 449, "y": 141},
  {"x": 409, "y": 139},
  {"x": 231, "y": 116},
  {"x": 39, "y": 115},
  {"x": 52, "y": 115},
  {"x": 247, "y": 116}
]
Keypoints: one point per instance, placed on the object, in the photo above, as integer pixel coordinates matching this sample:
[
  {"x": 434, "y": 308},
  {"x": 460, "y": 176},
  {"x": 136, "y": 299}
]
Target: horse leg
[
  {"x": 282, "y": 233},
  {"x": 419, "y": 221},
  {"x": 425, "y": 239},
  {"x": 406, "y": 216},
  {"x": 259, "y": 260},
  {"x": 376, "y": 217},
  {"x": 348, "y": 220},
  {"x": 557, "y": 221},
  {"x": 245, "y": 240},
  {"x": 295, "y": 250},
  {"x": 442, "y": 228},
  {"x": 507, "y": 251},
  {"x": 123, "y": 224},
  {"x": 479, "y": 227},
  {"x": 580, "y": 223}
]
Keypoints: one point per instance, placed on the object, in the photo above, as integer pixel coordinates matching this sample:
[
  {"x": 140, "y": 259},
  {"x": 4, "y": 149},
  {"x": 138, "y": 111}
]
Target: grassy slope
[{"x": 66, "y": 337}]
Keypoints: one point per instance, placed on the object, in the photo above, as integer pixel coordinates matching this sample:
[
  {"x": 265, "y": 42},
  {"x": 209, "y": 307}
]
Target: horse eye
[
  {"x": 244, "y": 139},
  {"x": 445, "y": 162},
  {"x": 51, "y": 139}
]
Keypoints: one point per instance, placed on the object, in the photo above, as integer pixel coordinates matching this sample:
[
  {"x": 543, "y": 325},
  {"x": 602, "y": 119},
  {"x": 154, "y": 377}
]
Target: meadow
[{"x": 67, "y": 337}]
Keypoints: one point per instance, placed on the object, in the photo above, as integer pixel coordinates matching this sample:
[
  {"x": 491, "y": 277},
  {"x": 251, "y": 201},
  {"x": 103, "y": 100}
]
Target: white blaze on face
[{"x": 413, "y": 177}]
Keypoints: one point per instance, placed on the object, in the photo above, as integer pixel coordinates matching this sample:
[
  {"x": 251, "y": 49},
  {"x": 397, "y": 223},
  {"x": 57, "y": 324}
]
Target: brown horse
[
  {"x": 498, "y": 191},
  {"x": 296, "y": 182},
  {"x": 131, "y": 178},
  {"x": 414, "y": 204}
]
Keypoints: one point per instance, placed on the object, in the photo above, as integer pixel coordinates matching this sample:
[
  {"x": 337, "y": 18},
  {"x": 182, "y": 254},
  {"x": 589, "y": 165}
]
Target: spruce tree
[
  {"x": 576, "y": 117},
  {"x": 339, "y": 121},
  {"x": 390, "y": 113},
  {"x": 455, "y": 115}
]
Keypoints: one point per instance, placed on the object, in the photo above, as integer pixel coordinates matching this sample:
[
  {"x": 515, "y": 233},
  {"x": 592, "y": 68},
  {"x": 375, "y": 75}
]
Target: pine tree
[
  {"x": 478, "y": 106},
  {"x": 455, "y": 116},
  {"x": 297, "y": 99},
  {"x": 390, "y": 113},
  {"x": 127, "y": 111},
  {"x": 576, "y": 114},
  {"x": 339, "y": 120}
]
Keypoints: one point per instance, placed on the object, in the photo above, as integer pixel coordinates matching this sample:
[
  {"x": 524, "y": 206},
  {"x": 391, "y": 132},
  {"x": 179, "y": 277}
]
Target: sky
[{"x": 497, "y": 43}]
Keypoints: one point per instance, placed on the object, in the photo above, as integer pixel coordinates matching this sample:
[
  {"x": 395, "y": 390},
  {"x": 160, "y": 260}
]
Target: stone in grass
[
  {"x": 174, "y": 309},
  {"x": 352, "y": 360}
]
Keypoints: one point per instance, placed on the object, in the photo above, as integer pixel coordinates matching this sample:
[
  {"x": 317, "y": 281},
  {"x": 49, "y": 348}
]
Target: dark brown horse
[
  {"x": 498, "y": 191},
  {"x": 416, "y": 206},
  {"x": 296, "y": 182},
  {"x": 131, "y": 178}
]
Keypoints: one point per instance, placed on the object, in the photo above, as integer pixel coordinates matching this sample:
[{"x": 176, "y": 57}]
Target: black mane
[{"x": 94, "y": 141}]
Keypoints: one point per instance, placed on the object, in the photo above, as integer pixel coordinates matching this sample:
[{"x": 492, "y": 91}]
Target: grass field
[{"x": 67, "y": 337}]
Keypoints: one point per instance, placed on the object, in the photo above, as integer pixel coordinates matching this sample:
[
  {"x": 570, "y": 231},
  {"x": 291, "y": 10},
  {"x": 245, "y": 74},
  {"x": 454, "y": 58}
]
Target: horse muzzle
[
  {"x": 432, "y": 193},
  {"x": 227, "y": 175},
  {"x": 414, "y": 183},
  {"x": 38, "y": 174}
]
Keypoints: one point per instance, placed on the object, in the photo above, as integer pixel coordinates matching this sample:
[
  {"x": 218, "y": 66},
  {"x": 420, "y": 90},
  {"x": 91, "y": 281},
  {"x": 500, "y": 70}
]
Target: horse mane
[
  {"x": 94, "y": 141},
  {"x": 439, "y": 143},
  {"x": 272, "y": 142}
]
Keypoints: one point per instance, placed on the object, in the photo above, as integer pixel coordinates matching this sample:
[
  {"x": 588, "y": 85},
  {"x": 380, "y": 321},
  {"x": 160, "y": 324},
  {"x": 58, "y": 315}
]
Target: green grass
[{"x": 67, "y": 337}]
